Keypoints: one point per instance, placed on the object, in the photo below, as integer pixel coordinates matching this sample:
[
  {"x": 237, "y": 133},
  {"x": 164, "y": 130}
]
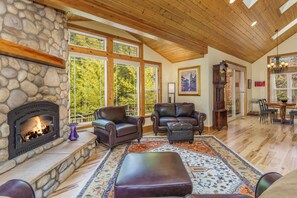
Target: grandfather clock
[{"x": 219, "y": 82}]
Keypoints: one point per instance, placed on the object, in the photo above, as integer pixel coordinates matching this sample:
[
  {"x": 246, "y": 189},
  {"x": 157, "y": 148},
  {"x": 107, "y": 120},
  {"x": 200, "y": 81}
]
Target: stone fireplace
[
  {"x": 23, "y": 82},
  {"x": 34, "y": 101},
  {"x": 32, "y": 125}
]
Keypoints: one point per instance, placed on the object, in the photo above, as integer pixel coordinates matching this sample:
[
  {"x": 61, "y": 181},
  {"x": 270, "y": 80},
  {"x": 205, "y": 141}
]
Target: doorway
[{"x": 235, "y": 92}]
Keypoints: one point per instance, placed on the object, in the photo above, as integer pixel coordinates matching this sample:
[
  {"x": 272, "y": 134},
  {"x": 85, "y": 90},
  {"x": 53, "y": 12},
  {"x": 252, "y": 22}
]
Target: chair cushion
[
  {"x": 115, "y": 114},
  {"x": 164, "y": 120},
  {"x": 190, "y": 120},
  {"x": 284, "y": 187},
  {"x": 125, "y": 129},
  {"x": 184, "y": 109},
  {"x": 293, "y": 112},
  {"x": 165, "y": 109}
]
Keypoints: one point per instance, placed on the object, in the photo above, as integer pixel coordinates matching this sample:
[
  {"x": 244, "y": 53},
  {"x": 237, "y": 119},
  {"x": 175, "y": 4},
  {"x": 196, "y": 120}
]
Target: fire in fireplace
[
  {"x": 35, "y": 127},
  {"x": 31, "y": 126}
]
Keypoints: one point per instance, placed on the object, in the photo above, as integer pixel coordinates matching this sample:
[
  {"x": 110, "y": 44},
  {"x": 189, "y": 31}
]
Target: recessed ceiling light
[
  {"x": 231, "y": 1},
  {"x": 254, "y": 23}
]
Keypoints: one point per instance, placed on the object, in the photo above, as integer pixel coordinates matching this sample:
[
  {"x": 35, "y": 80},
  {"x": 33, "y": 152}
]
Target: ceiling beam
[{"x": 97, "y": 11}]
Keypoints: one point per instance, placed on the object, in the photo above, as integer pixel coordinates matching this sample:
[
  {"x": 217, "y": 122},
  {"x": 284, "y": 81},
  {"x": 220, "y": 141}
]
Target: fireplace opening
[
  {"x": 35, "y": 127},
  {"x": 31, "y": 126}
]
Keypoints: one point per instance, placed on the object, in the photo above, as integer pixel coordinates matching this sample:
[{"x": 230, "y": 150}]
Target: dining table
[{"x": 282, "y": 108}]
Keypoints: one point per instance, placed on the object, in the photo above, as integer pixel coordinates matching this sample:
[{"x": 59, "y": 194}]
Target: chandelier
[{"x": 278, "y": 66}]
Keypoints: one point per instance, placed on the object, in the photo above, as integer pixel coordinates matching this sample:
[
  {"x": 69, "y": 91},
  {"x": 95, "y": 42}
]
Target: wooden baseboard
[
  {"x": 148, "y": 128},
  {"x": 207, "y": 128}
]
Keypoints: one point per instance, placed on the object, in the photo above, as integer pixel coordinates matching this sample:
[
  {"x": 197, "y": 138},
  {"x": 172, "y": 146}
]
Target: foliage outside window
[
  {"x": 126, "y": 85},
  {"x": 86, "y": 40},
  {"x": 87, "y": 87},
  {"x": 125, "y": 49},
  {"x": 151, "y": 87},
  {"x": 283, "y": 85}
]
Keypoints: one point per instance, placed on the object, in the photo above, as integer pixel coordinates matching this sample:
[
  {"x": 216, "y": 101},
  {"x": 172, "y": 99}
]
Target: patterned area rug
[{"x": 213, "y": 167}]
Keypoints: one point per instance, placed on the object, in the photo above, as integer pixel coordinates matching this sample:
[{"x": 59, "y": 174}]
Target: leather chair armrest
[
  {"x": 104, "y": 124},
  {"x": 17, "y": 188},
  {"x": 200, "y": 117},
  {"x": 137, "y": 120},
  {"x": 265, "y": 182},
  {"x": 155, "y": 117}
]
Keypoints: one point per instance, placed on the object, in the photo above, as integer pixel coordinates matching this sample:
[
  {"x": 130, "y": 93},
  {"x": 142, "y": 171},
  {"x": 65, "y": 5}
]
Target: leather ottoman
[
  {"x": 178, "y": 131},
  {"x": 152, "y": 175}
]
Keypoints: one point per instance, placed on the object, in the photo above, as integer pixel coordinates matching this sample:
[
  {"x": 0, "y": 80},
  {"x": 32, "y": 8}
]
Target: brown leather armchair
[
  {"x": 112, "y": 126},
  {"x": 17, "y": 188},
  {"x": 177, "y": 112}
]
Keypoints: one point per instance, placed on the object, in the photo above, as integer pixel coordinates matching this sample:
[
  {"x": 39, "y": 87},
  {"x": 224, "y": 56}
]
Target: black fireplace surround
[{"x": 26, "y": 114}]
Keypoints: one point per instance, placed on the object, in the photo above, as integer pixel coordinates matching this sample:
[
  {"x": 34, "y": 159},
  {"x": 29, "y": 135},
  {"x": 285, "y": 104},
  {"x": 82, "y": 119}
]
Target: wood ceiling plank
[
  {"x": 193, "y": 24},
  {"x": 92, "y": 9},
  {"x": 169, "y": 50}
]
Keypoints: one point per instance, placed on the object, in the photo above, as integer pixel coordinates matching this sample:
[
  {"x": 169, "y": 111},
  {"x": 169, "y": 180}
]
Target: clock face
[{"x": 223, "y": 75}]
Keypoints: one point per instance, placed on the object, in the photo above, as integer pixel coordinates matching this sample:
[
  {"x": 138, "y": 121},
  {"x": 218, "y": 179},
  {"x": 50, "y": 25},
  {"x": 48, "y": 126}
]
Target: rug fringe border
[{"x": 83, "y": 190}]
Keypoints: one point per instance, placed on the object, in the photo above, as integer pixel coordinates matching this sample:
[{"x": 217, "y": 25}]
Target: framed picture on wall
[{"x": 189, "y": 81}]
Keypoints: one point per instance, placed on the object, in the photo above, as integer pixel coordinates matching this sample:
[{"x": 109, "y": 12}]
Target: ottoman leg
[
  {"x": 138, "y": 140},
  {"x": 191, "y": 141},
  {"x": 170, "y": 142}
]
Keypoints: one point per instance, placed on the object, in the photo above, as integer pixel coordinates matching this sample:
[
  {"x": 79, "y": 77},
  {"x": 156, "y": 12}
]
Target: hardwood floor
[{"x": 270, "y": 147}]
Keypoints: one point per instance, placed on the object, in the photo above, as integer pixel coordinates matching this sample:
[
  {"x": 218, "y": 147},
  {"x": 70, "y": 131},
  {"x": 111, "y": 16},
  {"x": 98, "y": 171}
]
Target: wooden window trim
[
  {"x": 159, "y": 84},
  {"x": 110, "y": 63},
  {"x": 290, "y": 69}
]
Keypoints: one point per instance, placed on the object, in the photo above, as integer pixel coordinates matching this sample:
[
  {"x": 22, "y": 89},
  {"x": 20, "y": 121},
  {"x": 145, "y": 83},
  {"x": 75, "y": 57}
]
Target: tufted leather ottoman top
[
  {"x": 178, "y": 126},
  {"x": 152, "y": 175}
]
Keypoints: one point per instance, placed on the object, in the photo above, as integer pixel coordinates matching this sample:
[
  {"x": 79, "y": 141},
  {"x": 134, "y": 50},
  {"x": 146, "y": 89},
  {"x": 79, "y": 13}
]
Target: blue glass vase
[{"x": 73, "y": 134}]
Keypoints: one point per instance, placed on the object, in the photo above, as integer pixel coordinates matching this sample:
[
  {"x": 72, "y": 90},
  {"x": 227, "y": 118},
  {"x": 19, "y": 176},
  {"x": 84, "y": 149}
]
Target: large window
[
  {"x": 126, "y": 84},
  {"x": 87, "y": 86},
  {"x": 283, "y": 85},
  {"x": 135, "y": 85},
  {"x": 87, "y": 40},
  {"x": 151, "y": 87},
  {"x": 124, "y": 48}
]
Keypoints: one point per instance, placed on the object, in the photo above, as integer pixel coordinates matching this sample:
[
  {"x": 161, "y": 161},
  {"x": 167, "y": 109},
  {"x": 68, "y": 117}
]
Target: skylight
[
  {"x": 294, "y": 22},
  {"x": 249, "y": 3},
  {"x": 287, "y": 5}
]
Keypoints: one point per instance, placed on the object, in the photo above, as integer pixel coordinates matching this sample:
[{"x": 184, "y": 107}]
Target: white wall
[
  {"x": 259, "y": 72},
  {"x": 167, "y": 71},
  {"x": 204, "y": 102}
]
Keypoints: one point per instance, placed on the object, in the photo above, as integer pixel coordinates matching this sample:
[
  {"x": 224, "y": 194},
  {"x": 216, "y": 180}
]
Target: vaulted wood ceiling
[
  {"x": 170, "y": 50},
  {"x": 194, "y": 24}
]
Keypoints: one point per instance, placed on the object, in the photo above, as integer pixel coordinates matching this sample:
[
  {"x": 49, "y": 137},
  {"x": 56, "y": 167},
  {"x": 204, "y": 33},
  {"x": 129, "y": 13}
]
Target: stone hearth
[{"x": 45, "y": 172}]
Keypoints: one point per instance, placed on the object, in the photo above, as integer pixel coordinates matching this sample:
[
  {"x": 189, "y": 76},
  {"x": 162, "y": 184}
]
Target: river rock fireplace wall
[
  {"x": 32, "y": 125},
  {"x": 23, "y": 82}
]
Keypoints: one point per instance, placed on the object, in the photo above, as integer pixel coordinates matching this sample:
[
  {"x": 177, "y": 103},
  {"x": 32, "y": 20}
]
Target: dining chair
[
  {"x": 271, "y": 111},
  {"x": 292, "y": 114},
  {"x": 263, "y": 113}
]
